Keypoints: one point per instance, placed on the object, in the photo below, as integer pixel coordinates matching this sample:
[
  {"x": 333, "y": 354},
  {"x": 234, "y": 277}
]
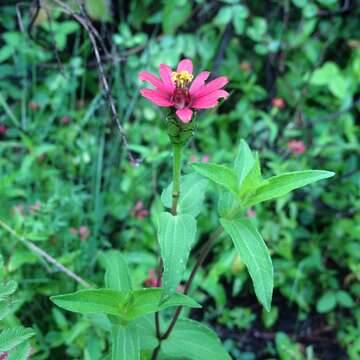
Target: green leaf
[
  {"x": 21, "y": 352},
  {"x": 126, "y": 305},
  {"x": 219, "y": 174},
  {"x": 147, "y": 301},
  {"x": 287, "y": 350},
  {"x": 125, "y": 343},
  {"x": 253, "y": 179},
  {"x": 344, "y": 299},
  {"x": 227, "y": 203},
  {"x": 117, "y": 272},
  {"x": 97, "y": 9},
  {"x": 92, "y": 301},
  {"x": 147, "y": 332},
  {"x": 254, "y": 254},
  {"x": 325, "y": 73},
  {"x": 8, "y": 289},
  {"x": 192, "y": 194},
  {"x": 175, "y": 14},
  {"x": 282, "y": 184},
  {"x": 244, "y": 161},
  {"x": 224, "y": 16},
  {"x": 327, "y": 302},
  {"x": 193, "y": 340},
  {"x": 176, "y": 235},
  {"x": 12, "y": 337}
]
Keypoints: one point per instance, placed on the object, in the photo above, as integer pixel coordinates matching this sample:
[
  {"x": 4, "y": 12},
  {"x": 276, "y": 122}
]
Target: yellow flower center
[{"x": 182, "y": 78}]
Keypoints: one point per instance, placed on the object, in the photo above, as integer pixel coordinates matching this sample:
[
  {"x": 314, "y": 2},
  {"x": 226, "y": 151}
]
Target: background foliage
[{"x": 67, "y": 185}]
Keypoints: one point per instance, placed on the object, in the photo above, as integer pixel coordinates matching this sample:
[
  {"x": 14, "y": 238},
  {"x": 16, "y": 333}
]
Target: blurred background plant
[{"x": 68, "y": 186}]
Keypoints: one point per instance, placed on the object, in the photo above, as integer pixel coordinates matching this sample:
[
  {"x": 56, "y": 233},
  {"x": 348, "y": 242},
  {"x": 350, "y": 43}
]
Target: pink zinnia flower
[
  {"x": 176, "y": 89},
  {"x": 296, "y": 146}
]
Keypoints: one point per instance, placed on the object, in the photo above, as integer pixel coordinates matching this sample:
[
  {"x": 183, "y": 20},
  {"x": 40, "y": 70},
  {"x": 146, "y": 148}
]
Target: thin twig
[
  {"x": 44, "y": 255},
  {"x": 93, "y": 35}
]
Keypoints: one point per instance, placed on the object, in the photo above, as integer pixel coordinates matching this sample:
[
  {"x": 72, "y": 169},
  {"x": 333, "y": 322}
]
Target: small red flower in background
[
  {"x": 296, "y": 146},
  {"x": 245, "y": 66},
  {"x": 84, "y": 232},
  {"x": 204, "y": 159},
  {"x": 176, "y": 89},
  {"x": 250, "y": 213},
  {"x": 139, "y": 212},
  {"x": 35, "y": 207},
  {"x": 4, "y": 356},
  {"x": 65, "y": 120},
  {"x": 3, "y": 130},
  {"x": 278, "y": 103},
  {"x": 151, "y": 281},
  {"x": 33, "y": 106}
]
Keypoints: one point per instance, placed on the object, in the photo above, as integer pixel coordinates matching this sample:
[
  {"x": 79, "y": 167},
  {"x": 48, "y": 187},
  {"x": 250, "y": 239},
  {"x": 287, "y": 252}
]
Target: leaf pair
[
  {"x": 243, "y": 186},
  {"x": 123, "y": 305},
  {"x": 127, "y": 306},
  {"x": 245, "y": 182}
]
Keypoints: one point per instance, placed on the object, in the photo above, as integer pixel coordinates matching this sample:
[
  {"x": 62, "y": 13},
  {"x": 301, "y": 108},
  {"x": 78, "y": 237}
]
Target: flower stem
[
  {"x": 177, "y": 159},
  {"x": 176, "y": 176}
]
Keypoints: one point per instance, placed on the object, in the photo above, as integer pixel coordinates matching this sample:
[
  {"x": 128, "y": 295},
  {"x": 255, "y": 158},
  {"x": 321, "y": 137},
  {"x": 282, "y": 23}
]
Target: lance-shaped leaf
[
  {"x": 282, "y": 184},
  {"x": 117, "y": 272},
  {"x": 227, "y": 203},
  {"x": 176, "y": 235},
  {"x": 126, "y": 305},
  {"x": 252, "y": 180},
  {"x": 193, "y": 340},
  {"x": 125, "y": 343},
  {"x": 244, "y": 161},
  {"x": 254, "y": 254},
  {"x": 192, "y": 194},
  {"x": 219, "y": 174}
]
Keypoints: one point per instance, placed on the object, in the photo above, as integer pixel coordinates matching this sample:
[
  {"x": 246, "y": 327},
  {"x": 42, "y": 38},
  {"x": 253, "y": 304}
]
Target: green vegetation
[{"x": 81, "y": 195}]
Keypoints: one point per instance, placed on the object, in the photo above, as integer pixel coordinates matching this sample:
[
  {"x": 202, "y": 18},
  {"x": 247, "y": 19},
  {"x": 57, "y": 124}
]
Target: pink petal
[
  {"x": 156, "y": 97},
  {"x": 199, "y": 81},
  {"x": 212, "y": 86},
  {"x": 165, "y": 74},
  {"x": 185, "y": 65},
  {"x": 153, "y": 80},
  {"x": 184, "y": 115},
  {"x": 208, "y": 101}
]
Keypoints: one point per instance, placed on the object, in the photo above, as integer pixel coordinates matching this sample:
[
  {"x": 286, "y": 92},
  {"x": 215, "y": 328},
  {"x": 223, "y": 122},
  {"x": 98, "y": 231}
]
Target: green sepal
[{"x": 179, "y": 132}]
